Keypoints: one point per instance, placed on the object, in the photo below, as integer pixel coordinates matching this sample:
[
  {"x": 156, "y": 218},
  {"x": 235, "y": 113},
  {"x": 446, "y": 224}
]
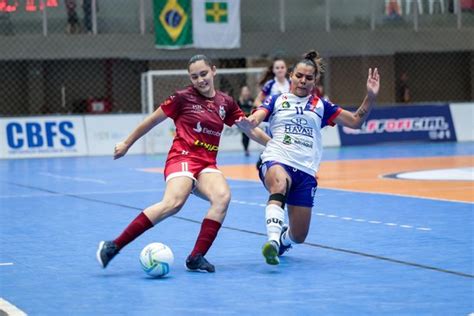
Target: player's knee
[
  {"x": 298, "y": 237},
  {"x": 221, "y": 198},
  {"x": 173, "y": 206}
]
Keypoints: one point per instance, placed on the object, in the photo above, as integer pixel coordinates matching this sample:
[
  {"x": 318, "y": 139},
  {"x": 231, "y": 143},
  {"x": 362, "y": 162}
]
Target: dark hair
[
  {"x": 269, "y": 74},
  {"x": 199, "y": 57},
  {"x": 312, "y": 58}
]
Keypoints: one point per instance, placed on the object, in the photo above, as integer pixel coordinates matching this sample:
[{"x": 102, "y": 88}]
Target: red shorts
[{"x": 188, "y": 168}]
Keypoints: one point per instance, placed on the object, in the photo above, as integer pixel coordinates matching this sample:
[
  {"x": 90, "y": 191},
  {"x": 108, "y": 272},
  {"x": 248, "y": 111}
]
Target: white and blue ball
[{"x": 156, "y": 259}]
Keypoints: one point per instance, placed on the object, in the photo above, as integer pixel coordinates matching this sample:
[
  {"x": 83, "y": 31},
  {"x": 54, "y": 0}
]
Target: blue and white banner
[
  {"x": 42, "y": 137},
  {"x": 407, "y": 123}
]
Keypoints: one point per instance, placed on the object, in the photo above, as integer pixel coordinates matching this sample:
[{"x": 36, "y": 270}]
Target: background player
[{"x": 274, "y": 81}]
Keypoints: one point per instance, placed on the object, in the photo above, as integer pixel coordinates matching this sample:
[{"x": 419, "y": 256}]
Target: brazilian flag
[{"x": 173, "y": 23}]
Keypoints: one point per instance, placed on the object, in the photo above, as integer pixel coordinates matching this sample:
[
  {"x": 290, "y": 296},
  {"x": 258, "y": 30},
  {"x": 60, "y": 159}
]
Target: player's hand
[
  {"x": 246, "y": 123},
  {"x": 373, "y": 83},
  {"x": 120, "y": 150}
]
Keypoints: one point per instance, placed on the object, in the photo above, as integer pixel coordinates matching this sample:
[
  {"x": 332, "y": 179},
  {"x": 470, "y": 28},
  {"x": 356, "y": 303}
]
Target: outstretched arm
[
  {"x": 257, "y": 135},
  {"x": 355, "y": 120},
  {"x": 249, "y": 126},
  {"x": 151, "y": 121}
]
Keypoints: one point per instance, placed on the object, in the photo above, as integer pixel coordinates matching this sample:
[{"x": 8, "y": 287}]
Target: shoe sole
[
  {"x": 197, "y": 270},
  {"x": 99, "y": 259},
  {"x": 270, "y": 254}
]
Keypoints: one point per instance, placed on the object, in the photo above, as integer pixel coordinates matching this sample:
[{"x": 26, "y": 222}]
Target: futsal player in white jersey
[
  {"x": 274, "y": 81},
  {"x": 291, "y": 158}
]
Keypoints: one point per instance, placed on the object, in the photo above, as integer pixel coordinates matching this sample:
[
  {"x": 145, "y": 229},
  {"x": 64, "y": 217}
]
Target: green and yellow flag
[
  {"x": 216, "y": 23},
  {"x": 197, "y": 23},
  {"x": 173, "y": 23}
]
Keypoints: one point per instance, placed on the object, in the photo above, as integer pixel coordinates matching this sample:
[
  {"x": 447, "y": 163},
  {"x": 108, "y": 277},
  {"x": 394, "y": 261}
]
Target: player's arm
[
  {"x": 356, "y": 119},
  {"x": 256, "y": 134},
  {"x": 259, "y": 99},
  {"x": 144, "y": 127},
  {"x": 253, "y": 120}
]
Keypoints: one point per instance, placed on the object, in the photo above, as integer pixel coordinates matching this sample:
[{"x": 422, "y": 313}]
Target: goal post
[{"x": 157, "y": 85}]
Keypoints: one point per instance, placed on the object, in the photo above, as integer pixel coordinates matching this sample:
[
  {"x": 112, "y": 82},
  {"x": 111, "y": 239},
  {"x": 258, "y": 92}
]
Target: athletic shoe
[
  {"x": 270, "y": 252},
  {"x": 283, "y": 248},
  {"x": 199, "y": 264},
  {"x": 107, "y": 250}
]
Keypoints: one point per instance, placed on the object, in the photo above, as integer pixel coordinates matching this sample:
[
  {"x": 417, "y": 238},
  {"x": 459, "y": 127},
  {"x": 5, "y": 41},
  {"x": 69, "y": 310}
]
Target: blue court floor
[{"x": 366, "y": 254}]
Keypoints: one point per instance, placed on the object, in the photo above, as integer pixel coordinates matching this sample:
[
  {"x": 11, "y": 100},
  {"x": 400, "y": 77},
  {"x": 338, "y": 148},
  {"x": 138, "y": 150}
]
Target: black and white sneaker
[
  {"x": 282, "y": 249},
  {"x": 106, "y": 252},
  {"x": 199, "y": 264}
]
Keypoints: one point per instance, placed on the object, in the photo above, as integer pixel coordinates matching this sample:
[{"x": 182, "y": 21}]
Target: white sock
[
  {"x": 286, "y": 239},
  {"x": 274, "y": 217}
]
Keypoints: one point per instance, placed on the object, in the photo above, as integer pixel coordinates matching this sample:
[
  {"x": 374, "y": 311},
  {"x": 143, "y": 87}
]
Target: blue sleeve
[
  {"x": 331, "y": 111},
  {"x": 268, "y": 105},
  {"x": 267, "y": 87}
]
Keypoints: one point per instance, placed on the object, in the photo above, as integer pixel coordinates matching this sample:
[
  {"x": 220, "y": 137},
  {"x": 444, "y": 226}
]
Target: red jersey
[{"x": 199, "y": 123}]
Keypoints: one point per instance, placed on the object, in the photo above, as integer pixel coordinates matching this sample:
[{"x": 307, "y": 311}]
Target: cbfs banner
[
  {"x": 404, "y": 123},
  {"x": 197, "y": 23},
  {"x": 33, "y": 137}
]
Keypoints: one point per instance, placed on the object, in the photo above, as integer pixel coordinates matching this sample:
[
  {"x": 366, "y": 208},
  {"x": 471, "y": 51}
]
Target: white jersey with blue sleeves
[
  {"x": 272, "y": 87},
  {"x": 295, "y": 124}
]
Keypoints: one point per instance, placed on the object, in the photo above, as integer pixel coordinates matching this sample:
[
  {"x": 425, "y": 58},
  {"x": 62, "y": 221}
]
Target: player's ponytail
[{"x": 312, "y": 58}]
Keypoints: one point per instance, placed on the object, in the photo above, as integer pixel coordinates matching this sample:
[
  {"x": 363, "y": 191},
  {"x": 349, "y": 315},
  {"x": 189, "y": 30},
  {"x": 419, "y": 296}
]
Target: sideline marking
[{"x": 10, "y": 309}]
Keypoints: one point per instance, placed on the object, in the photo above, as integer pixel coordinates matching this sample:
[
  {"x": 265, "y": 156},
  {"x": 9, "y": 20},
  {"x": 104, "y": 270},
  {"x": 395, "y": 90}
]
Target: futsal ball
[{"x": 156, "y": 259}]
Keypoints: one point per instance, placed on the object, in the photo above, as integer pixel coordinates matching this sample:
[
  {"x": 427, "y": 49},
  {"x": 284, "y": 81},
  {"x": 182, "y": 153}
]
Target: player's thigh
[
  {"x": 177, "y": 190},
  {"x": 212, "y": 187},
  {"x": 300, "y": 220},
  {"x": 276, "y": 179}
]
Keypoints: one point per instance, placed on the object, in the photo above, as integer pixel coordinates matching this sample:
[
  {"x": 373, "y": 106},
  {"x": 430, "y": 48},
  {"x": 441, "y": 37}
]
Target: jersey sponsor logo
[
  {"x": 210, "y": 106},
  {"x": 299, "y": 121},
  {"x": 288, "y": 140},
  {"x": 298, "y": 130},
  {"x": 207, "y": 146},
  {"x": 409, "y": 124},
  {"x": 285, "y": 105},
  {"x": 197, "y": 108},
  {"x": 222, "y": 112},
  {"x": 205, "y": 130},
  {"x": 302, "y": 142}
]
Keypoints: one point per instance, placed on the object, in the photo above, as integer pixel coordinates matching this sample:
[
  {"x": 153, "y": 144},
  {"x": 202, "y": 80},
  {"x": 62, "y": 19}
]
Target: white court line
[
  {"x": 47, "y": 174},
  {"x": 345, "y": 218},
  {"x": 10, "y": 309},
  {"x": 6, "y": 263}
]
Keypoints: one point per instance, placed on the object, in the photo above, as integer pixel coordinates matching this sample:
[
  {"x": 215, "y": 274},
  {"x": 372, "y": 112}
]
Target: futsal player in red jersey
[{"x": 199, "y": 113}]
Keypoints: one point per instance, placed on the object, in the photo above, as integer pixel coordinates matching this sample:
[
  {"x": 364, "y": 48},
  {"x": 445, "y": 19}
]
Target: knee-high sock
[
  {"x": 274, "y": 216},
  {"x": 206, "y": 237},
  {"x": 137, "y": 227}
]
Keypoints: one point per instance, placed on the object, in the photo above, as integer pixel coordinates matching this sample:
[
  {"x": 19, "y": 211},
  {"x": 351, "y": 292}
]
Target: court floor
[{"x": 391, "y": 233}]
